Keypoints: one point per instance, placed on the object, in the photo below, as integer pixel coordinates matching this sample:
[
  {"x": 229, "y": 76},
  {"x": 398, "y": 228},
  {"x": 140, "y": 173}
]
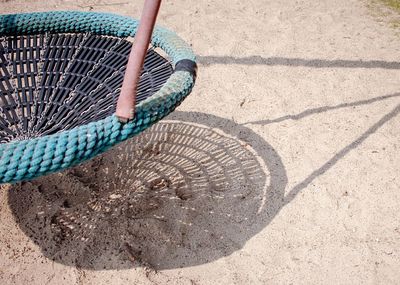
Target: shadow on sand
[
  {"x": 298, "y": 62},
  {"x": 190, "y": 190}
]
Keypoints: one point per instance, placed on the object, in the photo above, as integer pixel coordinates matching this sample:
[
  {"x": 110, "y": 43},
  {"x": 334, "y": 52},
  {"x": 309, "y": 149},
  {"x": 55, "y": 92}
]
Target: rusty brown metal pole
[{"x": 126, "y": 102}]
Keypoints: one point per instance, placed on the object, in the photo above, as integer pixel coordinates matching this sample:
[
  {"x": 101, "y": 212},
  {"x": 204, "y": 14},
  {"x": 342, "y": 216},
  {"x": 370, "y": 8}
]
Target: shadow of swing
[{"x": 190, "y": 190}]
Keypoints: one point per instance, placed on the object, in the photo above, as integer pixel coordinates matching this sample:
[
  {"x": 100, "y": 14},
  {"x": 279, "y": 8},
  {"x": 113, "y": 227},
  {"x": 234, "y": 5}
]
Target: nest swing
[{"x": 60, "y": 78}]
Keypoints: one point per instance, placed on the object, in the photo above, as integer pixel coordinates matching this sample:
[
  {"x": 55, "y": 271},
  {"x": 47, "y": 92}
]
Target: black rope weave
[{"x": 54, "y": 82}]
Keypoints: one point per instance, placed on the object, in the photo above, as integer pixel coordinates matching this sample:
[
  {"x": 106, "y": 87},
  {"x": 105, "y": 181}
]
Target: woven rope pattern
[{"x": 23, "y": 160}]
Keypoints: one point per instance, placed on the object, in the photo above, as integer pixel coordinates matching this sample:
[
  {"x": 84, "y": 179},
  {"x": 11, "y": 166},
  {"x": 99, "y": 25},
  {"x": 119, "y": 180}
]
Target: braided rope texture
[{"x": 27, "y": 159}]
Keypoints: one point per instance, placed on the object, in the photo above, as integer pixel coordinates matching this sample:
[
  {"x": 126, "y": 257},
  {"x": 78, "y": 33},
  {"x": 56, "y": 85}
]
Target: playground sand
[{"x": 282, "y": 166}]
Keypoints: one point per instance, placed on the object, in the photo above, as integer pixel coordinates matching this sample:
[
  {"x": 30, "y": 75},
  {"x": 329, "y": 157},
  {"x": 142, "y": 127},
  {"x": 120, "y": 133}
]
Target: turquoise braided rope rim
[{"x": 27, "y": 159}]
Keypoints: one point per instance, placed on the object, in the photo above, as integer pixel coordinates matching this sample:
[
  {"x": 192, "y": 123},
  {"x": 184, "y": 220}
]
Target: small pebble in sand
[{"x": 115, "y": 196}]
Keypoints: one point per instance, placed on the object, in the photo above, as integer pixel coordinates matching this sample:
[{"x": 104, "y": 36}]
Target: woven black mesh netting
[{"x": 54, "y": 82}]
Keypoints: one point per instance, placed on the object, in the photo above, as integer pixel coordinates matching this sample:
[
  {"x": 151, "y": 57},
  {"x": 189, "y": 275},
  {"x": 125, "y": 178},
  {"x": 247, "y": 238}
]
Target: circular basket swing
[{"x": 60, "y": 78}]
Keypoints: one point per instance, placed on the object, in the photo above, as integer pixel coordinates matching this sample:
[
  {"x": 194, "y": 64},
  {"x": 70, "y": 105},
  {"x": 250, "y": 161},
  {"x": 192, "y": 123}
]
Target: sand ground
[{"x": 282, "y": 167}]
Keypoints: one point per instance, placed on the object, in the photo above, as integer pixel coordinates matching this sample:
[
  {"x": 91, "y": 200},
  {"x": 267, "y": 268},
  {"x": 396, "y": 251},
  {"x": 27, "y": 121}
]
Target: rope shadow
[
  {"x": 190, "y": 190},
  {"x": 339, "y": 155},
  {"x": 298, "y": 62},
  {"x": 319, "y": 110}
]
